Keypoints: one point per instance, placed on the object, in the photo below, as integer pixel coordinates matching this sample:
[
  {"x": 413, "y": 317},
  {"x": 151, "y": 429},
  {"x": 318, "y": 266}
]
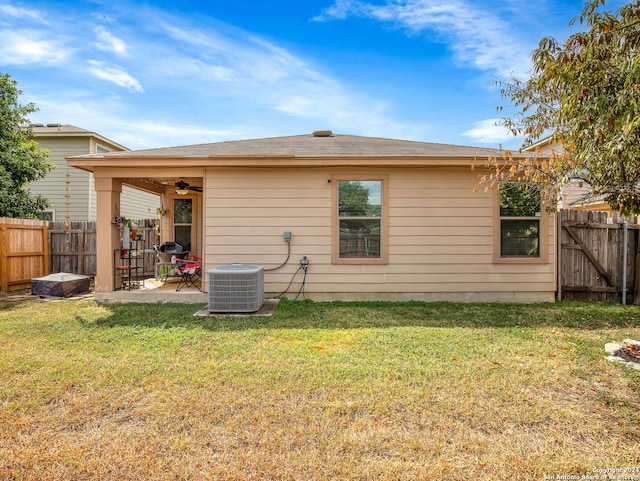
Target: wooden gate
[
  {"x": 24, "y": 253},
  {"x": 598, "y": 257}
]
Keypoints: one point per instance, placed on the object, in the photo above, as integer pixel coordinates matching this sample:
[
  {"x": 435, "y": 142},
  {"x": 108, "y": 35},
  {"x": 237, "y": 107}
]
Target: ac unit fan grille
[{"x": 236, "y": 288}]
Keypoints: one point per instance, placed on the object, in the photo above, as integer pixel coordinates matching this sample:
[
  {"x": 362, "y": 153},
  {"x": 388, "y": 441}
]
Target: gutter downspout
[{"x": 559, "y": 257}]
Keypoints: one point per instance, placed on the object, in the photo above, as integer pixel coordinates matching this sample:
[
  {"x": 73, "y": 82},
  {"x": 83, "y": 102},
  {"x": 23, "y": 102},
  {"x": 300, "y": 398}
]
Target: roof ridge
[{"x": 321, "y": 139}]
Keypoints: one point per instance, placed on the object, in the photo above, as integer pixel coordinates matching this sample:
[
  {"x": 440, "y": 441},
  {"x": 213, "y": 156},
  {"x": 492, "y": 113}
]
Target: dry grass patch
[{"x": 320, "y": 391}]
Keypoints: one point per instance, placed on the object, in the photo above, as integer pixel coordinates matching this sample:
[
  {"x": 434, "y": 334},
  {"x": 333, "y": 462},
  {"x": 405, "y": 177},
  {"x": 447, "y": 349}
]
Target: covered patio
[{"x": 180, "y": 220}]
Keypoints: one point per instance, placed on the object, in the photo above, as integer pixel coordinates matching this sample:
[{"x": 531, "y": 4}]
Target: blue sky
[{"x": 175, "y": 73}]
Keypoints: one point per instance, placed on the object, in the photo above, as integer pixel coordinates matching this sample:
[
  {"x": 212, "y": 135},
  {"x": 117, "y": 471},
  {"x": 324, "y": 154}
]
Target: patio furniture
[
  {"x": 169, "y": 249},
  {"x": 129, "y": 266},
  {"x": 164, "y": 253},
  {"x": 190, "y": 271}
]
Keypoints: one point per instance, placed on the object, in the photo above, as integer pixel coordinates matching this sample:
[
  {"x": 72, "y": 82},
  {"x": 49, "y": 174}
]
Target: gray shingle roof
[
  {"x": 40, "y": 131},
  {"x": 302, "y": 146},
  {"x": 57, "y": 128}
]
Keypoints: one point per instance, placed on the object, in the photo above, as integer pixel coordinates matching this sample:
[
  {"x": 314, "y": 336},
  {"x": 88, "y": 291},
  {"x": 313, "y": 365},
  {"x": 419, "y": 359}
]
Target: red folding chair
[{"x": 190, "y": 272}]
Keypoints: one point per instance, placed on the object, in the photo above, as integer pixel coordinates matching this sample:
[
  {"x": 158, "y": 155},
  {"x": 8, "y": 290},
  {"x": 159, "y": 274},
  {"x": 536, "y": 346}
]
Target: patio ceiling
[{"x": 160, "y": 185}]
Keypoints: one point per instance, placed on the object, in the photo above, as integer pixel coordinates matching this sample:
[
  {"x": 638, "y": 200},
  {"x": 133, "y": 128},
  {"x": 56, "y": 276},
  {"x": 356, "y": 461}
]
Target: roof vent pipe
[{"x": 322, "y": 133}]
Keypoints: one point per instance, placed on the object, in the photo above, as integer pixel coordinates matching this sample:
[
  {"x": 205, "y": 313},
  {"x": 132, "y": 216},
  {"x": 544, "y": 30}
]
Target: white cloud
[
  {"x": 488, "y": 132},
  {"x": 340, "y": 10},
  {"x": 116, "y": 120},
  {"x": 24, "y": 13},
  {"x": 204, "y": 81},
  {"x": 477, "y": 37},
  {"x": 114, "y": 74},
  {"x": 266, "y": 76},
  {"x": 108, "y": 43},
  {"x": 24, "y": 47},
  {"x": 159, "y": 134},
  {"x": 237, "y": 55},
  {"x": 197, "y": 38}
]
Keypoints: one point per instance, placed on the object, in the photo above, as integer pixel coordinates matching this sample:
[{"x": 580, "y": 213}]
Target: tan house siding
[
  {"x": 433, "y": 238},
  {"x": 440, "y": 236}
]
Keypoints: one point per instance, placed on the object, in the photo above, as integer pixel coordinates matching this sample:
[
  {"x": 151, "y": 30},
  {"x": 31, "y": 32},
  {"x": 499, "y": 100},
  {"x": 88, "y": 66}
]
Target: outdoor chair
[{"x": 190, "y": 272}]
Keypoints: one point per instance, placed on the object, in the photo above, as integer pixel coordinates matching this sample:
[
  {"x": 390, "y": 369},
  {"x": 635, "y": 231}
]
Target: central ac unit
[{"x": 236, "y": 288}]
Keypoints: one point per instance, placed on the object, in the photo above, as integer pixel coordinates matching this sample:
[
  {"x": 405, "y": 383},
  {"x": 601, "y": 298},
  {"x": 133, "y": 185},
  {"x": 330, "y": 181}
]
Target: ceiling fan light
[{"x": 182, "y": 187}]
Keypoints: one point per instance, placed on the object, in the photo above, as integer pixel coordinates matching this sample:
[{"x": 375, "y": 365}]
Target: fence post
[
  {"x": 559, "y": 255},
  {"x": 45, "y": 248},
  {"x": 625, "y": 237},
  {"x": 636, "y": 277},
  {"x": 81, "y": 242},
  {"x": 4, "y": 275}
]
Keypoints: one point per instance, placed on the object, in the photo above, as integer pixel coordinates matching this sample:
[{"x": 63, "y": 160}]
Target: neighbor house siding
[
  {"x": 134, "y": 204},
  {"x": 137, "y": 204},
  {"x": 440, "y": 236},
  {"x": 93, "y": 208},
  {"x": 54, "y": 185}
]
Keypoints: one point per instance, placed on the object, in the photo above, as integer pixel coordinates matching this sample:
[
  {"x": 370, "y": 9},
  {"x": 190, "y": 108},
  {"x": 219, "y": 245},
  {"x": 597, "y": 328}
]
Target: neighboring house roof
[
  {"x": 67, "y": 130},
  {"x": 539, "y": 144},
  {"x": 576, "y": 194},
  {"x": 70, "y": 191},
  {"x": 545, "y": 146},
  {"x": 305, "y": 148}
]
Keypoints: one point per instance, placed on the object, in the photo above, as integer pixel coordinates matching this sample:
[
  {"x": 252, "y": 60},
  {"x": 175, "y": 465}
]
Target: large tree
[
  {"x": 584, "y": 93},
  {"x": 21, "y": 159}
]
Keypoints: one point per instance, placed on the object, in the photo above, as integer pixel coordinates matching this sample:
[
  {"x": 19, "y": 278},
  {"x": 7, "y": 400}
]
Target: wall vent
[{"x": 236, "y": 288}]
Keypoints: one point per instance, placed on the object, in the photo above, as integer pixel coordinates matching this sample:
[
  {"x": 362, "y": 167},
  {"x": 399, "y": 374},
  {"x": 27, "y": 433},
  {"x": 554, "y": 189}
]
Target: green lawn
[{"x": 318, "y": 391}]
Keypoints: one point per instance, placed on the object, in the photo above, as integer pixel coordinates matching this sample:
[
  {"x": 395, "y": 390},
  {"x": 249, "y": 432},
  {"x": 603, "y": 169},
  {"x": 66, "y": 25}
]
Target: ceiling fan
[{"x": 183, "y": 188}]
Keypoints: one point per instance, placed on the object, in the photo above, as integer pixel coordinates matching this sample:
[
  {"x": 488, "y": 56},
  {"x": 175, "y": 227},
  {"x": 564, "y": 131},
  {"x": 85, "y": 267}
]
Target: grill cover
[{"x": 62, "y": 284}]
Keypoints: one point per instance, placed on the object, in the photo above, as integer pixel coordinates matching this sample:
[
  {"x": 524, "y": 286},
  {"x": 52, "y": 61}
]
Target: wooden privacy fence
[
  {"x": 73, "y": 246},
  {"x": 24, "y": 253},
  {"x": 598, "y": 258},
  {"x": 33, "y": 248}
]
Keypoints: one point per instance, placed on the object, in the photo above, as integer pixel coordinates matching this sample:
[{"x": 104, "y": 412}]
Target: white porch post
[{"x": 108, "y": 192}]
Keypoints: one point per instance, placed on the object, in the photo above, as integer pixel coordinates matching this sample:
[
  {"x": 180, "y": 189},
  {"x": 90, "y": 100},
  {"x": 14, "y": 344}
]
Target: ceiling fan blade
[{"x": 182, "y": 185}]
